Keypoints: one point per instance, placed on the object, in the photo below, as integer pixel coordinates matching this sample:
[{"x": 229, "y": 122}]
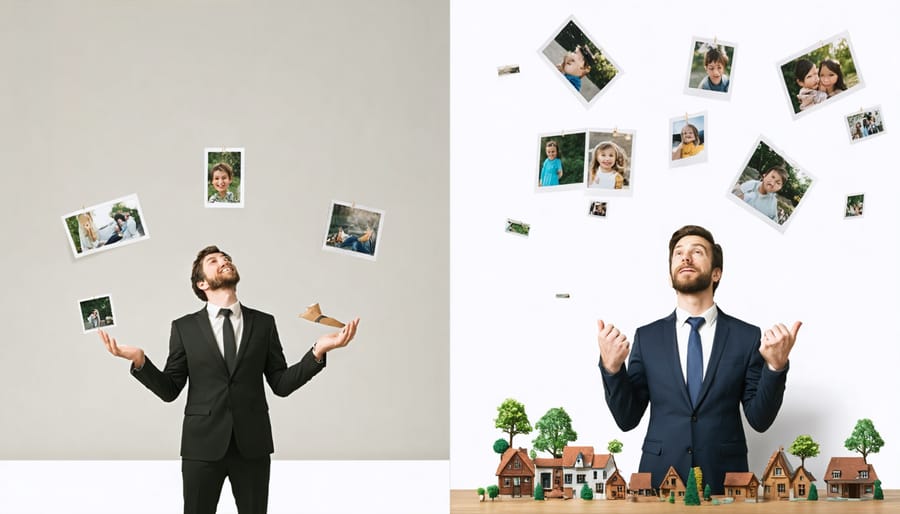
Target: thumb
[
  {"x": 600, "y": 324},
  {"x": 796, "y": 328}
]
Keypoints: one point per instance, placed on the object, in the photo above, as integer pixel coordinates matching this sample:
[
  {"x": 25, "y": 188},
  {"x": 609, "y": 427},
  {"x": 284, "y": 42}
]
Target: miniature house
[
  {"x": 515, "y": 474},
  {"x": 548, "y": 472},
  {"x": 850, "y": 477},
  {"x": 641, "y": 484},
  {"x": 778, "y": 476},
  {"x": 672, "y": 482},
  {"x": 802, "y": 481},
  {"x": 580, "y": 465},
  {"x": 615, "y": 486},
  {"x": 741, "y": 486}
]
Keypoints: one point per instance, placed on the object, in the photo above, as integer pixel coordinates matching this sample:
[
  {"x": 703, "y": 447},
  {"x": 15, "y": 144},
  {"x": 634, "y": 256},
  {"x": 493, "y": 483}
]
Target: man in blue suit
[{"x": 696, "y": 367}]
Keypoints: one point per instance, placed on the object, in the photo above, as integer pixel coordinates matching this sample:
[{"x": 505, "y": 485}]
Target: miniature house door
[
  {"x": 545, "y": 481},
  {"x": 517, "y": 486}
]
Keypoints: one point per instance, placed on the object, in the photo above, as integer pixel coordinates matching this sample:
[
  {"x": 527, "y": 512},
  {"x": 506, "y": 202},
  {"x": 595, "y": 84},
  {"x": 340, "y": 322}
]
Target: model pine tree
[
  {"x": 707, "y": 493},
  {"x": 671, "y": 496},
  {"x": 538, "y": 491},
  {"x": 586, "y": 493},
  {"x": 879, "y": 494},
  {"x": 691, "y": 497},
  {"x": 813, "y": 493}
]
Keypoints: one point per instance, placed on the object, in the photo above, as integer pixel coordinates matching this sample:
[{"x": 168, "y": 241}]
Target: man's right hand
[
  {"x": 134, "y": 354},
  {"x": 614, "y": 347}
]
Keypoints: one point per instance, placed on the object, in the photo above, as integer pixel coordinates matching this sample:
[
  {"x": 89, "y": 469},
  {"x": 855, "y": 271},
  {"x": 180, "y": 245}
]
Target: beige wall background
[{"x": 344, "y": 100}]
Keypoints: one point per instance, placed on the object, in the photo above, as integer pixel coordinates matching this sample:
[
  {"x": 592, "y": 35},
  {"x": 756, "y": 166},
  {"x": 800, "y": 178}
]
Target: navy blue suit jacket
[
  {"x": 711, "y": 434},
  {"x": 220, "y": 404}
]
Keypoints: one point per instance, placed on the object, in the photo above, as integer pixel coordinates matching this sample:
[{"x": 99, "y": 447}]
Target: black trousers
[{"x": 249, "y": 478}]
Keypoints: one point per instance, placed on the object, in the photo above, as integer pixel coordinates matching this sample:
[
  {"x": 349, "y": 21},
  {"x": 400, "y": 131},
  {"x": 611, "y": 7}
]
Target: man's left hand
[
  {"x": 338, "y": 339},
  {"x": 776, "y": 343}
]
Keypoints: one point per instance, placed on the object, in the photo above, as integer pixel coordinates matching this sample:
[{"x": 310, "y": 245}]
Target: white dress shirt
[
  {"x": 683, "y": 332},
  {"x": 217, "y": 321}
]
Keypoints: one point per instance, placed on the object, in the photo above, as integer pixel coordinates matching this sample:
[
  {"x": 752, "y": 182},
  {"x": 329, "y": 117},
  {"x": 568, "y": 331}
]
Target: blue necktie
[{"x": 695, "y": 359}]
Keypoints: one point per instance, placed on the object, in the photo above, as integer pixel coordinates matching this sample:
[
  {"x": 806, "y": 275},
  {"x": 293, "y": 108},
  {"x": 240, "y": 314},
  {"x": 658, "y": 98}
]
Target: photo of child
[
  {"x": 560, "y": 161},
  {"x": 609, "y": 162},
  {"x": 819, "y": 74},
  {"x": 854, "y": 206},
  {"x": 688, "y": 139},
  {"x": 579, "y": 61},
  {"x": 865, "y": 123},
  {"x": 223, "y": 177},
  {"x": 711, "y": 68},
  {"x": 770, "y": 186}
]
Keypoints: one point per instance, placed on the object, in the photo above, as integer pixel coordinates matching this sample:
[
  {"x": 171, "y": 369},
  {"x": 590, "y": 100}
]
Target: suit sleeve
[
  {"x": 627, "y": 393},
  {"x": 763, "y": 390},
  {"x": 285, "y": 380},
  {"x": 166, "y": 384}
]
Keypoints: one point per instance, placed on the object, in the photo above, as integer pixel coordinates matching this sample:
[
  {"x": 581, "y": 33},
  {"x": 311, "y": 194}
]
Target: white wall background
[{"x": 510, "y": 337}]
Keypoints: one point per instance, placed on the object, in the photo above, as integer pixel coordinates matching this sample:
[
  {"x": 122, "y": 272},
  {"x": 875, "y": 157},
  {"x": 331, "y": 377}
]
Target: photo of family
[
  {"x": 353, "y": 230},
  {"x": 609, "y": 160},
  {"x": 711, "y": 68},
  {"x": 580, "y": 63},
  {"x": 819, "y": 74},
  {"x": 96, "y": 313},
  {"x": 560, "y": 164},
  {"x": 104, "y": 226},
  {"x": 854, "y": 206},
  {"x": 770, "y": 186},
  {"x": 223, "y": 182},
  {"x": 597, "y": 209},
  {"x": 688, "y": 139},
  {"x": 865, "y": 123}
]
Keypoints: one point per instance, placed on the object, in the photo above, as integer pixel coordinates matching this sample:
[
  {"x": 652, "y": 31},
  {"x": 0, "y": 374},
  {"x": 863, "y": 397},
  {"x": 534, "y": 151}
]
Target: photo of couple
[{"x": 102, "y": 226}]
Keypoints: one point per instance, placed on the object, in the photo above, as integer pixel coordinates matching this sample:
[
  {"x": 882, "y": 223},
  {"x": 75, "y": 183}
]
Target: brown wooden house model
[
  {"x": 641, "y": 485},
  {"x": 741, "y": 486},
  {"x": 778, "y": 477},
  {"x": 515, "y": 474},
  {"x": 850, "y": 477},
  {"x": 672, "y": 482}
]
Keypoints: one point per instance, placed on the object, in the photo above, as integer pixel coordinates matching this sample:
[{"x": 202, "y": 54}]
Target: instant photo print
[
  {"x": 770, "y": 186},
  {"x": 711, "y": 68},
  {"x": 517, "y": 227},
  {"x": 854, "y": 206},
  {"x": 819, "y": 74},
  {"x": 689, "y": 144},
  {"x": 354, "y": 230},
  {"x": 96, "y": 313},
  {"x": 560, "y": 162},
  {"x": 105, "y": 226},
  {"x": 610, "y": 161},
  {"x": 865, "y": 124},
  {"x": 580, "y": 63},
  {"x": 597, "y": 209},
  {"x": 223, "y": 178}
]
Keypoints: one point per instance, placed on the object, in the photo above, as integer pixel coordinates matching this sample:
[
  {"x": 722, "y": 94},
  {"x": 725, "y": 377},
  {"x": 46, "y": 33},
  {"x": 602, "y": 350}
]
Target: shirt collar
[
  {"x": 710, "y": 315},
  {"x": 213, "y": 310}
]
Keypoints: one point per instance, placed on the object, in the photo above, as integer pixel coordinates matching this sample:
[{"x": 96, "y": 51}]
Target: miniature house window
[
  {"x": 516, "y": 481},
  {"x": 604, "y": 474},
  {"x": 505, "y": 482},
  {"x": 568, "y": 478},
  {"x": 834, "y": 489},
  {"x": 595, "y": 475},
  {"x": 599, "y": 487},
  {"x": 801, "y": 490},
  {"x": 620, "y": 488},
  {"x": 672, "y": 482},
  {"x": 680, "y": 493},
  {"x": 737, "y": 492},
  {"x": 863, "y": 474},
  {"x": 868, "y": 489},
  {"x": 527, "y": 480},
  {"x": 517, "y": 464},
  {"x": 781, "y": 489},
  {"x": 579, "y": 479},
  {"x": 777, "y": 472},
  {"x": 836, "y": 474}
]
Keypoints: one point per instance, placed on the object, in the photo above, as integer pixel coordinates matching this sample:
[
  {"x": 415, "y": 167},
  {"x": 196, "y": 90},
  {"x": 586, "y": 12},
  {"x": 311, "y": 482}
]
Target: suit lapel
[
  {"x": 719, "y": 342},
  {"x": 203, "y": 324},
  {"x": 671, "y": 338},
  {"x": 248, "y": 316}
]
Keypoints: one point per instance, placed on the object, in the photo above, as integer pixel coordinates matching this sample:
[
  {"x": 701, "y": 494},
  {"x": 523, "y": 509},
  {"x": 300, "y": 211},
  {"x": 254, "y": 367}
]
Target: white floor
[{"x": 136, "y": 487}]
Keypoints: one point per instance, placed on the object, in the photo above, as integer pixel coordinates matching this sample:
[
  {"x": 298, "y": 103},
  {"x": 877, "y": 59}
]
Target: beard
[
  {"x": 699, "y": 283},
  {"x": 229, "y": 280}
]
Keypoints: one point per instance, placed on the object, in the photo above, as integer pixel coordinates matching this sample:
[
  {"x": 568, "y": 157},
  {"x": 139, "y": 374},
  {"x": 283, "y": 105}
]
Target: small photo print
[
  {"x": 96, "y": 313},
  {"x": 107, "y": 225},
  {"x": 854, "y": 206},
  {"x": 770, "y": 186},
  {"x": 820, "y": 73},
  {"x": 580, "y": 62},
  {"x": 354, "y": 230},
  {"x": 517, "y": 227},
  {"x": 865, "y": 123},
  {"x": 223, "y": 178},
  {"x": 689, "y": 145},
  {"x": 711, "y": 68},
  {"x": 597, "y": 209},
  {"x": 609, "y": 159},
  {"x": 507, "y": 70},
  {"x": 560, "y": 164}
]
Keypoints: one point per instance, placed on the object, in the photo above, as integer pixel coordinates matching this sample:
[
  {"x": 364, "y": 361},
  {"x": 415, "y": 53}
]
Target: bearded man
[
  {"x": 222, "y": 352},
  {"x": 695, "y": 367}
]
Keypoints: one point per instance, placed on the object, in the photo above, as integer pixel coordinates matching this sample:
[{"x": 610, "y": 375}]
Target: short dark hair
[
  {"x": 222, "y": 166},
  {"x": 715, "y": 55},
  {"x": 119, "y": 216},
  {"x": 197, "y": 274},
  {"x": 696, "y": 230}
]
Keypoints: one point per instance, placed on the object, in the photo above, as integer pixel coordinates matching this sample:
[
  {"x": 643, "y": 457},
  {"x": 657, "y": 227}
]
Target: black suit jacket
[
  {"x": 219, "y": 404},
  {"x": 710, "y": 434}
]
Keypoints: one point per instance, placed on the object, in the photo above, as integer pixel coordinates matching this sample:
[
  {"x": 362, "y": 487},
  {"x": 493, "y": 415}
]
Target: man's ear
[
  {"x": 202, "y": 285},
  {"x": 717, "y": 275}
]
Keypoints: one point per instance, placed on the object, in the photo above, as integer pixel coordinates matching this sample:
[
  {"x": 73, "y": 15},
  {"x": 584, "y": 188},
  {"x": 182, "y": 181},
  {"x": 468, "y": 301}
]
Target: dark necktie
[
  {"x": 695, "y": 359},
  {"x": 228, "y": 340}
]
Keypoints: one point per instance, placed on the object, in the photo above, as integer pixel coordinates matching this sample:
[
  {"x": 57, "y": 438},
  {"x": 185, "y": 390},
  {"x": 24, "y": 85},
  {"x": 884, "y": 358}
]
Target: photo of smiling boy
[
  {"x": 711, "y": 68},
  {"x": 224, "y": 184},
  {"x": 579, "y": 61}
]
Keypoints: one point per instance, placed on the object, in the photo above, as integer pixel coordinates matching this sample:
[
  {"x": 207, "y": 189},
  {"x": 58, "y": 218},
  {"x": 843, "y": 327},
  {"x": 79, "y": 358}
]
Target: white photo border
[
  {"x": 689, "y": 118},
  {"x": 379, "y": 231},
  {"x": 224, "y": 205},
  {"x": 719, "y": 95},
  {"x": 631, "y": 136},
  {"x": 112, "y": 310},
  {"x": 128, "y": 200}
]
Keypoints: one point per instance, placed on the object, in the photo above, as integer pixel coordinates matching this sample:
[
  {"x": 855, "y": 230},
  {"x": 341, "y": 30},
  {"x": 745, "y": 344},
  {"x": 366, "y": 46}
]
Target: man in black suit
[
  {"x": 695, "y": 367},
  {"x": 224, "y": 350}
]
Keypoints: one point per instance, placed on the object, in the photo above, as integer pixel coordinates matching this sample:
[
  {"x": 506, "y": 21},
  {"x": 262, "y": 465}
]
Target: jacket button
[
  {"x": 690, "y": 450},
  {"x": 694, "y": 418}
]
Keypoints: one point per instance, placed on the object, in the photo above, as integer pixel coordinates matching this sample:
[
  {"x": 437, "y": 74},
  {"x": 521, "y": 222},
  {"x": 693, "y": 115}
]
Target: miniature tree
[
  {"x": 493, "y": 491},
  {"x": 699, "y": 474},
  {"x": 671, "y": 496},
  {"x": 804, "y": 447},
  {"x": 511, "y": 418},
  {"x": 480, "y": 492},
  {"x": 813, "y": 493},
  {"x": 864, "y": 439},
  {"x": 532, "y": 454},
  {"x": 554, "y": 432},
  {"x": 586, "y": 492},
  {"x": 707, "y": 493},
  {"x": 690, "y": 494},
  {"x": 879, "y": 494},
  {"x": 614, "y": 446},
  {"x": 538, "y": 491},
  {"x": 500, "y": 446}
]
